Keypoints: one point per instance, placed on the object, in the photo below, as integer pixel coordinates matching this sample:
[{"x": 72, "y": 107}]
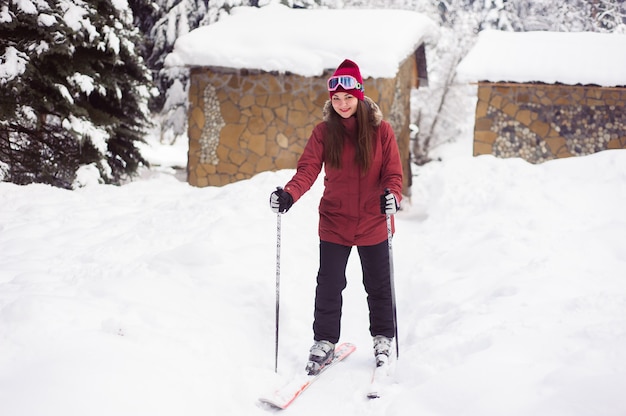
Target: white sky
[
  {"x": 306, "y": 42},
  {"x": 568, "y": 58}
]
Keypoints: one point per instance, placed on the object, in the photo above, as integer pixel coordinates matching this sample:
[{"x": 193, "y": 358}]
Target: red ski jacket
[{"x": 350, "y": 206}]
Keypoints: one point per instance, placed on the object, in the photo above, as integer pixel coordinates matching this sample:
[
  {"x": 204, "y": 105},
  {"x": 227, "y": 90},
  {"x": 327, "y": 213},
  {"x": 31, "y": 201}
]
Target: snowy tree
[
  {"x": 610, "y": 15},
  {"x": 161, "y": 23},
  {"x": 568, "y": 16},
  {"x": 74, "y": 91},
  {"x": 440, "y": 110}
]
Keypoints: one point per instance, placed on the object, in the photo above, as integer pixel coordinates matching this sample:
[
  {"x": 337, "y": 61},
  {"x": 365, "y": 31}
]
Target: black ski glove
[
  {"x": 280, "y": 201},
  {"x": 388, "y": 203}
]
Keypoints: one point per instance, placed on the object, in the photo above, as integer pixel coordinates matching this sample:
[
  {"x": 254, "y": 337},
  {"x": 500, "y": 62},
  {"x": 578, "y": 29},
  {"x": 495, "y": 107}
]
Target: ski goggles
[{"x": 347, "y": 82}]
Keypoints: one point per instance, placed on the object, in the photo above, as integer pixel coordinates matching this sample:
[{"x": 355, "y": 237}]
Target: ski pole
[
  {"x": 391, "y": 278},
  {"x": 278, "y": 231}
]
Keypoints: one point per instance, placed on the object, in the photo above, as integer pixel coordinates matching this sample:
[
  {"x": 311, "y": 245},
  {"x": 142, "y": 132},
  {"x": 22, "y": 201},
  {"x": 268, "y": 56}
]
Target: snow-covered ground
[{"x": 157, "y": 298}]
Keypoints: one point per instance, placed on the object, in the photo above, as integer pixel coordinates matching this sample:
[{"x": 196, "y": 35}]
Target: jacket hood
[{"x": 376, "y": 116}]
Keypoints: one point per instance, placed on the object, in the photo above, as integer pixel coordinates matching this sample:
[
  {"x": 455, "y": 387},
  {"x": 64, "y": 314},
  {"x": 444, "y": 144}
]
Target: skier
[{"x": 360, "y": 156}]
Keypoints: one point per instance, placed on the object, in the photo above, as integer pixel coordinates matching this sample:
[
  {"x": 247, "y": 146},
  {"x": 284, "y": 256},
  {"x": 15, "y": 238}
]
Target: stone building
[
  {"x": 244, "y": 119},
  {"x": 541, "y": 101}
]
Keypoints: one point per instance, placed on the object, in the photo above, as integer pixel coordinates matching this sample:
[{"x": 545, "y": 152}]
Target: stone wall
[
  {"x": 244, "y": 122},
  {"x": 539, "y": 122}
]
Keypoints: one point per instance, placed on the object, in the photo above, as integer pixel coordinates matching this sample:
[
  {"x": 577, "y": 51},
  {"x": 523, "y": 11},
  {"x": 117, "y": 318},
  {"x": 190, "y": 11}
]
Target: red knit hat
[{"x": 350, "y": 68}]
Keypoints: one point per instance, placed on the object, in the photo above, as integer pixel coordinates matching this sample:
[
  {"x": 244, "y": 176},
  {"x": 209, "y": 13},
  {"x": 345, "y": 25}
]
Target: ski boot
[
  {"x": 382, "y": 349},
  {"x": 320, "y": 354}
]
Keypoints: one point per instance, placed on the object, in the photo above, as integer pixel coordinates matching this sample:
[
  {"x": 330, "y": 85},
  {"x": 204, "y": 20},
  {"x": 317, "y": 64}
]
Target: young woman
[{"x": 359, "y": 154}]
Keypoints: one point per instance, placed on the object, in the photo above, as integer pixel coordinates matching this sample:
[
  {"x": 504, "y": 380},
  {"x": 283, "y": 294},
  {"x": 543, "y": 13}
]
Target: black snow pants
[{"x": 331, "y": 281}]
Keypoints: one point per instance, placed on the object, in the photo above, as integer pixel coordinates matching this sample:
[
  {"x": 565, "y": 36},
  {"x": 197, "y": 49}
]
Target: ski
[
  {"x": 285, "y": 395},
  {"x": 381, "y": 377}
]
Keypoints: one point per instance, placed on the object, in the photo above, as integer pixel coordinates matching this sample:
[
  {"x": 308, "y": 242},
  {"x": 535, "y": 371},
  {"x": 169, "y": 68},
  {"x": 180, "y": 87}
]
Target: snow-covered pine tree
[
  {"x": 74, "y": 91},
  {"x": 32, "y": 150}
]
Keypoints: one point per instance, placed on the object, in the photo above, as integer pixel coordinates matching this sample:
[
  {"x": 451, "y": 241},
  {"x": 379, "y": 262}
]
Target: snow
[
  {"x": 12, "y": 64},
  {"x": 158, "y": 298},
  {"x": 305, "y": 42},
  {"x": 551, "y": 57},
  {"x": 74, "y": 16},
  {"x": 26, "y": 6},
  {"x": 46, "y": 20}
]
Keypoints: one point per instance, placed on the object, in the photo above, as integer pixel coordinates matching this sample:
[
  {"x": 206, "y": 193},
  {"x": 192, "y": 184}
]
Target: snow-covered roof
[
  {"x": 305, "y": 42},
  {"x": 550, "y": 57}
]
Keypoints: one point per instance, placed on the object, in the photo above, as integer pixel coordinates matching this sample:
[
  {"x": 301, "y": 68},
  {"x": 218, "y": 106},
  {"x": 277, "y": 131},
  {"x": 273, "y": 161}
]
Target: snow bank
[{"x": 156, "y": 298}]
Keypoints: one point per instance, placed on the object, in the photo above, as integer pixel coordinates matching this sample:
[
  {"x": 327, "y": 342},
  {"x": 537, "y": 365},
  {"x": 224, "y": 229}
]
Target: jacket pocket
[
  {"x": 371, "y": 205},
  {"x": 329, "y": 205}
]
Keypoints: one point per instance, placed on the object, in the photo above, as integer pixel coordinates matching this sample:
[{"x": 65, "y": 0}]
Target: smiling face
[{"x": 344, "y": 104}]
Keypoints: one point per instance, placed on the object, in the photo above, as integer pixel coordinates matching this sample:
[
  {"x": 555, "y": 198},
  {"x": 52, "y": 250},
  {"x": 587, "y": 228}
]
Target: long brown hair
[{"x": 333, "y": 145}]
